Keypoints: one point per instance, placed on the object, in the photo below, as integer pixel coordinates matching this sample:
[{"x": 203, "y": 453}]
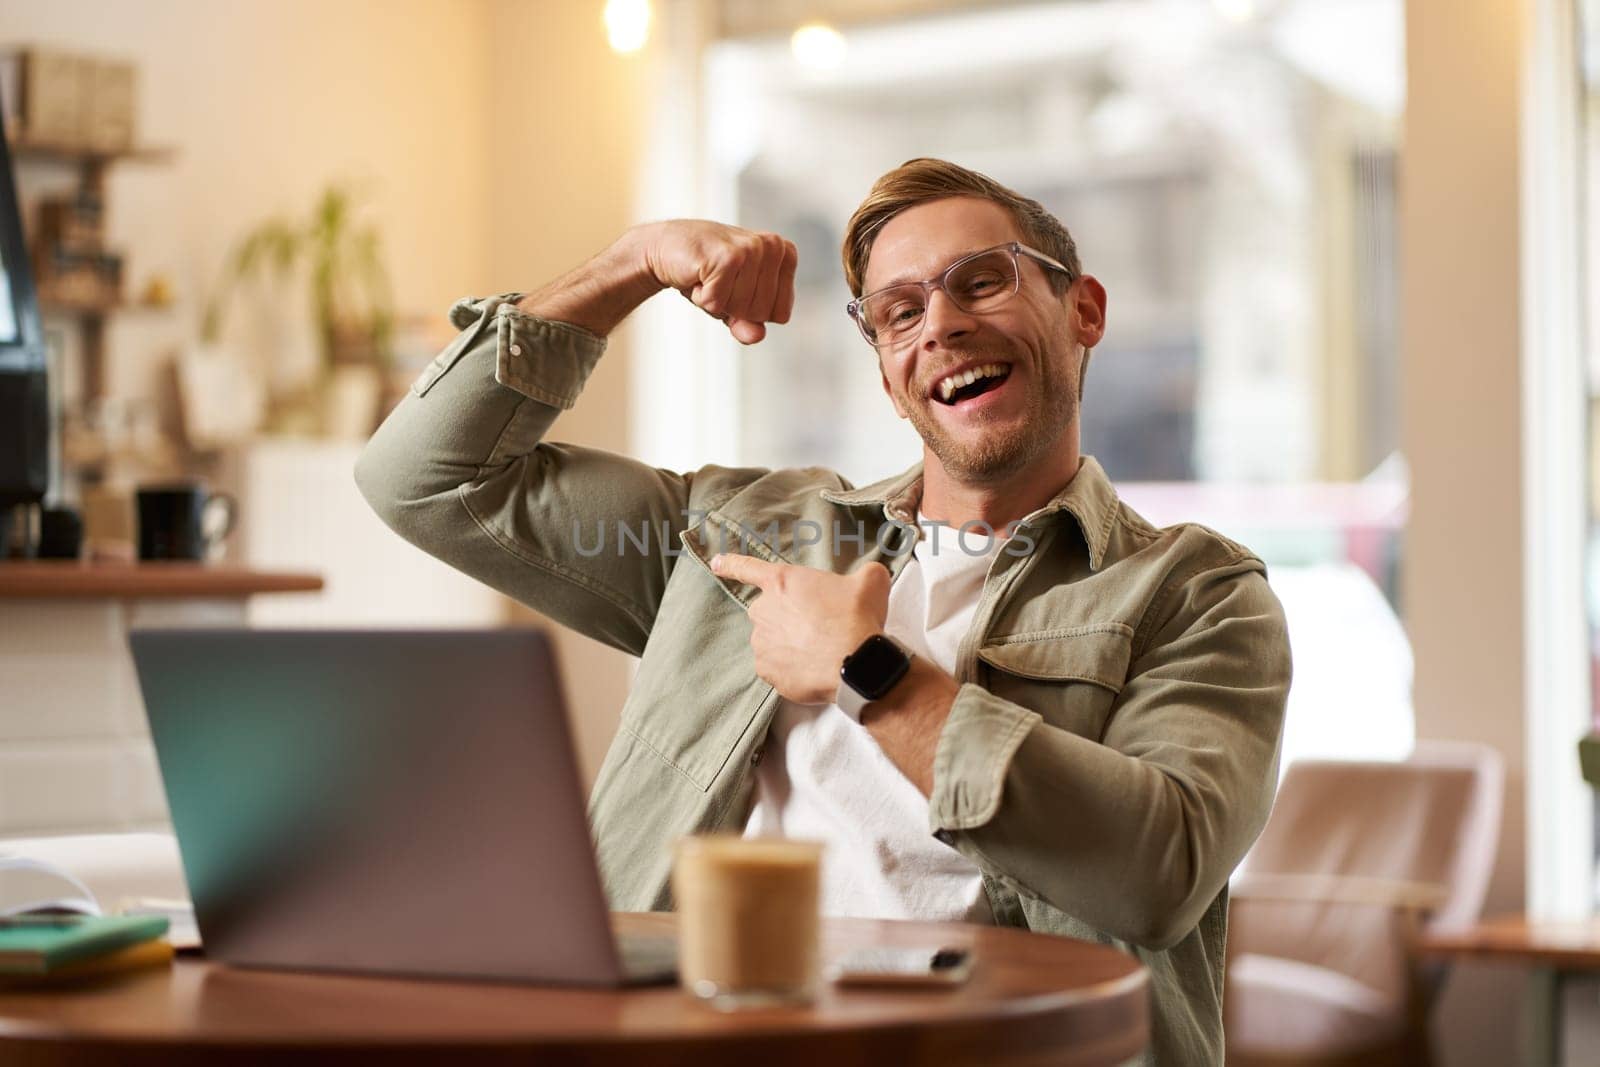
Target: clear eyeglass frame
[{"x": 856, "y": 308}]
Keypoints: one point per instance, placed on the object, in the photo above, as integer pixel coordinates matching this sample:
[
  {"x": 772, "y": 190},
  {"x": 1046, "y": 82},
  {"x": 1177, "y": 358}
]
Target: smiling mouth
[{"x": 974, "y": 382}]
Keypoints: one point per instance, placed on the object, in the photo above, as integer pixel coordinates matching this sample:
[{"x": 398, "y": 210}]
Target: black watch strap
[{"x": 870, "y": 672}]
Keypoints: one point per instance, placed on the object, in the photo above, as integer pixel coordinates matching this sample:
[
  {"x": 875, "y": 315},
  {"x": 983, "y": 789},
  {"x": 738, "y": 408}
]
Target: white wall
[
  {"x": 266, "y": 102},
  {"x": 567, "y": 125},
  {"x": 1461, "y": 428}
]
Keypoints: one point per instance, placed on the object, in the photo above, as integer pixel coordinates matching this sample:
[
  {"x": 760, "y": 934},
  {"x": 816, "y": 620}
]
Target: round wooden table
[{"x": 1032, "y": 999}]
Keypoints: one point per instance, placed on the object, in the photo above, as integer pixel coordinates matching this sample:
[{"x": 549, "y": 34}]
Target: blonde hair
[{"x": 917, "y": 181}]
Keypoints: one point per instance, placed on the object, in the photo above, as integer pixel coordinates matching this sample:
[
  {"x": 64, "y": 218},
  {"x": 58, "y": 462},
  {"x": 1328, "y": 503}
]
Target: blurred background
[{"x": 1346, "y": 243}]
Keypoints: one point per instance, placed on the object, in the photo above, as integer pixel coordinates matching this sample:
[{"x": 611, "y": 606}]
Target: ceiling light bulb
[
  {"x": 627, "y": 24},
  {"x": 818, "y": 46}
]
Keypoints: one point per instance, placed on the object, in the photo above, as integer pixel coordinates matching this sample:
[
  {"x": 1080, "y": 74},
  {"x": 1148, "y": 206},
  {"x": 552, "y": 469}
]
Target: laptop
[{"x": 395, "y": 802}]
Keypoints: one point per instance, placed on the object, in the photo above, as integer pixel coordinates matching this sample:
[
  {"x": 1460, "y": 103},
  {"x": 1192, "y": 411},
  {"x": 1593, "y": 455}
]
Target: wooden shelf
[
  {"x": 36, "y": 579},
  {"x": 63, "y": 152},
  {"x": 85, "y": 309},
  {"x": 92, "y": 164}
]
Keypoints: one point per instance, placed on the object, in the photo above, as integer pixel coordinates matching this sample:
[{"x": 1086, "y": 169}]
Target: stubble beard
[{"x": 1005, "y": 449}]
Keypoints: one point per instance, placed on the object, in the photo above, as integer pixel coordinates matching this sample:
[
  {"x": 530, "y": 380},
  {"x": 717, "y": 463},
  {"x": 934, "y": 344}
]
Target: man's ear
[
  {"x": 884, "y": 378},
  {"x": 1087, "y": 300}
]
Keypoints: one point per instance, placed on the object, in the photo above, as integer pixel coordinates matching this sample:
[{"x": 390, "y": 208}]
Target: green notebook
[{"x": 38, "y": 944}]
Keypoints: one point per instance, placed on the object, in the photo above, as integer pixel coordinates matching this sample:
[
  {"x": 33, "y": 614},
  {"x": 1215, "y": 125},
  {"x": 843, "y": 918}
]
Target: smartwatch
[{"x": 869, "y": 673}]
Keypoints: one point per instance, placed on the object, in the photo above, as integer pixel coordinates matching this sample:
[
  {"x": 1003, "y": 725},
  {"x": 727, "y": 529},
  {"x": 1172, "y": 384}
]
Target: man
[{"x": 1071, "y": 725}]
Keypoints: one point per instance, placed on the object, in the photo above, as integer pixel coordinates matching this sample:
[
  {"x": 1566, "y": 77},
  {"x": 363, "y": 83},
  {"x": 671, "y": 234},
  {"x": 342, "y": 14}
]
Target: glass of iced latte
[{"x": 748, "y": 919}]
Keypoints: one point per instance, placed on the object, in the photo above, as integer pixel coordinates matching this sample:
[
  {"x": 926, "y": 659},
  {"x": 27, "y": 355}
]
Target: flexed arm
[
  {"x": 461, "y": 468},
  {"x": 744, "y": 278}
]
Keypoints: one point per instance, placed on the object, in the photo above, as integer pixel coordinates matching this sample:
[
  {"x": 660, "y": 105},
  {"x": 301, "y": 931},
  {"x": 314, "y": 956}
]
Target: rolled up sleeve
[
  {"x": 975, "y": 750},
  {"x": 541, "y": 359}
]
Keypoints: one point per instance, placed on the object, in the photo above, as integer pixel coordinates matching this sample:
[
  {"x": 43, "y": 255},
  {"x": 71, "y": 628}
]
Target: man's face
[{"x": 1033, "y": 338}]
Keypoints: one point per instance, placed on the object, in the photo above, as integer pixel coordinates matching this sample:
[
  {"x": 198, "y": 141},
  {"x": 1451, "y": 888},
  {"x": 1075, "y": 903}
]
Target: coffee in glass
[{"x": 748, "y": 919}]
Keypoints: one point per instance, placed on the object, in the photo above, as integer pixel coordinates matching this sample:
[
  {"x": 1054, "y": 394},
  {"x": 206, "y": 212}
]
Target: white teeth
[{"x": 948, "y": 386}]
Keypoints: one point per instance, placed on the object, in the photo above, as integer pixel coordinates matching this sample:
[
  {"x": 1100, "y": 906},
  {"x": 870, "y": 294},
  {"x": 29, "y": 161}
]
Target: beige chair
[{"x": 1356, "y": 859}]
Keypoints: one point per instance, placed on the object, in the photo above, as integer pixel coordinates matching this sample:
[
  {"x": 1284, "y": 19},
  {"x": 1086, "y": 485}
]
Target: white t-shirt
[{"x": 823, "y": 777}]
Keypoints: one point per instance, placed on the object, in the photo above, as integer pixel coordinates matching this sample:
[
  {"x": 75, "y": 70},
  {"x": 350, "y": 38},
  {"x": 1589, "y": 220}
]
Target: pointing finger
[{"x": 746, "y": 569}]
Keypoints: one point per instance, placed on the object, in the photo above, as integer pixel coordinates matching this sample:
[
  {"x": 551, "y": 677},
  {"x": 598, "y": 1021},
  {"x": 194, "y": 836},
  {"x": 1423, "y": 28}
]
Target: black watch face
[{"x": 873, "y": 668}]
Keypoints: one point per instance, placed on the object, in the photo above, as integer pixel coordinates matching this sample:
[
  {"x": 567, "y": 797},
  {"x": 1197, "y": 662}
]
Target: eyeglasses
[{"x": 977, "y": 284}]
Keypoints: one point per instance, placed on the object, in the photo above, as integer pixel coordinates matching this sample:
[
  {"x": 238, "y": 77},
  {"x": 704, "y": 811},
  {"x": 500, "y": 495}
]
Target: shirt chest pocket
[{"x": 1070, "y": 676}]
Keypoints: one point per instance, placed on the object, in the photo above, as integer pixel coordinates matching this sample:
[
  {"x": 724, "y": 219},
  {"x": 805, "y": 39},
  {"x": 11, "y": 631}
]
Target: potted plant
[{"x": 341, "y": 258}]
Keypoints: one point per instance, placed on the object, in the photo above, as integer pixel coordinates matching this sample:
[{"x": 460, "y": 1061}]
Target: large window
[{"x": 1228, "y": 170}]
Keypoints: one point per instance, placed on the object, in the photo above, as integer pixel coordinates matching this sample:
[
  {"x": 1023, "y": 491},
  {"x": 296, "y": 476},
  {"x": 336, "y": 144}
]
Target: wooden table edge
[
  {"x": 1048, "y": 1022},
  {"x": 75, "y": 580}
]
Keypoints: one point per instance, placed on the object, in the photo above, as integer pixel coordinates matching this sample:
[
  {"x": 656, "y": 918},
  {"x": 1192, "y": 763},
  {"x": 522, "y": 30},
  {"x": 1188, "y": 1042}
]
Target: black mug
[
  {"x": 177, "y": 521},
  {"x": 60, "y": 534}
]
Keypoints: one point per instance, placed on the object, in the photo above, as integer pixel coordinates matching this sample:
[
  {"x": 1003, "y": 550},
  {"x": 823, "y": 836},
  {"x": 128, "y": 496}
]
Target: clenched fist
[{"x": 742, "y": 277}]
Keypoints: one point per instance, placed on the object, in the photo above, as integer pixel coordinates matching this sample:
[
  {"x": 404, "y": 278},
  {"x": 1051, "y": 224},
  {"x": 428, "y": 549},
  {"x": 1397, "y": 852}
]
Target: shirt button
[
  {"x": 756, "y": 758},
  {"x": 516, "y": 349}
]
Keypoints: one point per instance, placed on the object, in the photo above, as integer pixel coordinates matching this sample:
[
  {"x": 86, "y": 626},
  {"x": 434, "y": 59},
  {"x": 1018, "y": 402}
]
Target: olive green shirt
[{"x": 1112, "y": 750}]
